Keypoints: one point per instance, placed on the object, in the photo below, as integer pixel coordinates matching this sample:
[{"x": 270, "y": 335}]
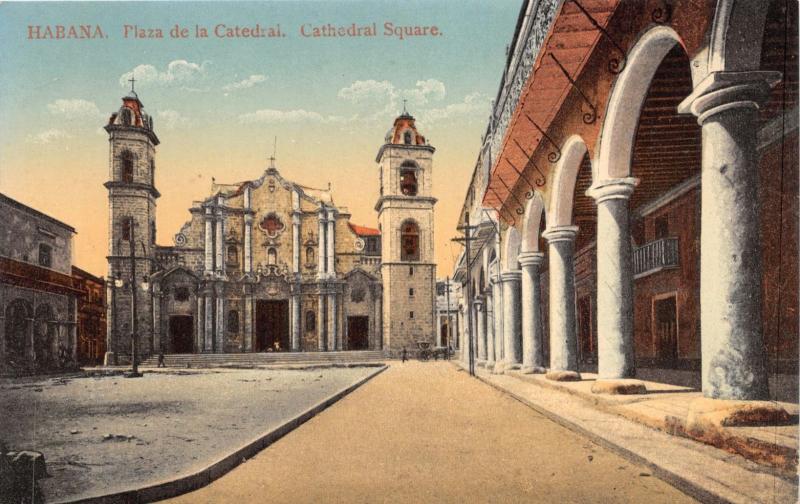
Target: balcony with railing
[
  {"x": 370, "y": 260},
  {"x": 655, "y": 256}
]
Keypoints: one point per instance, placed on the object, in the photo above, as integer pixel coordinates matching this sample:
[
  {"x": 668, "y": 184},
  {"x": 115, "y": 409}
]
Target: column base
[
  {"x": 709, "y": 414},
  {"x": 498, "y": 367},
  {"x": 533, "y": 370},
  {"x": 480, "y": 363},
  {"x": 620, "y": 386},
  {"x": 510, "y": 366},
  {"x": 110, "y": 359},
  {"x": 490, "y": 365},
  {"x": 557, "y": 375}
]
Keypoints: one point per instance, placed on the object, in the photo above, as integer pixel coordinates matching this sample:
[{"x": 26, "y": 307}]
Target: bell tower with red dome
[{"x": 405, "y": 216}]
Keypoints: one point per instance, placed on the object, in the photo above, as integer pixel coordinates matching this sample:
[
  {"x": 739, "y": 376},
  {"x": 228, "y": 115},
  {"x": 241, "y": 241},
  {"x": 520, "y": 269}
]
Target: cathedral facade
[{"x": 268, "y": 264}]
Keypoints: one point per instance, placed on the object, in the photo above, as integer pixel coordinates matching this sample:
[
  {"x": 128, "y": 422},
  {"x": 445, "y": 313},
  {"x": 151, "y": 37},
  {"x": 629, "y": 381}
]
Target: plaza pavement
[
  {"x": 108, "y": 434},
  {"x": 426, "y": 432}
]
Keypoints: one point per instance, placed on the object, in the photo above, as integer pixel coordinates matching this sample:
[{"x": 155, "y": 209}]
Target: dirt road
[{"x": 425, "y": 432}]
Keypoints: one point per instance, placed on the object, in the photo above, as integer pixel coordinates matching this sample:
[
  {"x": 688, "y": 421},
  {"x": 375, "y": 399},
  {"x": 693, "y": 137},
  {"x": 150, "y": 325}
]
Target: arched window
[
  {"x": 408, "y": 181},
  {"x": 409, "y": 242},
  {"x": 152, "y": 172},
  {"x": 407, "y": 137},
  {"x": 127, "y": 117},
  {"x": 127, "y": 228},
  {"x": 311, "y": 321},
  {"x": 152, "y": 231},
  {"x": 272, "y": 256},
  {"x": 233, "y": 254},
  {"x": 233, "y": 321},
  {"x": 309, "y": 255},
  {"x": 126, "y": 166}
]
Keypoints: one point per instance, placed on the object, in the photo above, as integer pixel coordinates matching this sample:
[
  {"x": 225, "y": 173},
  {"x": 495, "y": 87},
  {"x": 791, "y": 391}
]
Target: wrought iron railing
[{"x": 655, "y": 256}]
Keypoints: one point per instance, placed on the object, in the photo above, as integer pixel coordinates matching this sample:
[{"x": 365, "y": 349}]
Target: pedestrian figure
[
  {"x": 161, "y": 358},
  {"x": 449, "y": 350},
  {"x": 403, "y": 354}
]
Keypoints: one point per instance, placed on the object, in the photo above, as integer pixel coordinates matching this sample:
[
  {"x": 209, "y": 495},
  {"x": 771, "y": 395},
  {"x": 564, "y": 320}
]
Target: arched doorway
[
  {"x": 48, "y": 352},
  {"x": 17, "y": 332},
  {"x": 181, "y": 329}
]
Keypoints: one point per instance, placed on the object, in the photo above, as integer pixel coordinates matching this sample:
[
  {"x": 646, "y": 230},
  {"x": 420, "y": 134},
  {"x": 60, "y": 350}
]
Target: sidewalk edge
[{"x": 688, "y": 487}]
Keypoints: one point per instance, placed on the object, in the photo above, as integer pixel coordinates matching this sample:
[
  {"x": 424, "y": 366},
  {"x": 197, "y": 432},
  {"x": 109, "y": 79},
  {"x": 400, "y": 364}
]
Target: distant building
[
  {"x": 91, "y": 317},
  {"x": 448, "y": 293},
  {"x": 38, "y": 294}
]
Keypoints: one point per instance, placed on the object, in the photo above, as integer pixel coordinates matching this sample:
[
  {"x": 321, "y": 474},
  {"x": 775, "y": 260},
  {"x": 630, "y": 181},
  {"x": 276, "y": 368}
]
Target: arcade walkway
[{"x": 425, "y": 432}]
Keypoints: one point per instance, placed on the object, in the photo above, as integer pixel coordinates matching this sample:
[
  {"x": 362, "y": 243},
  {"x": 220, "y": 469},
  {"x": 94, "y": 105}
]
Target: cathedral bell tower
[
  {"x": 132, "y": 226},
  {"x": 405, "y": 214}
]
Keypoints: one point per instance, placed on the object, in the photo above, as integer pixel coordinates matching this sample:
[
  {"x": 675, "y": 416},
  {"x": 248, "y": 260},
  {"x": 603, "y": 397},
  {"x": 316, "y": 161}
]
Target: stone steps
[{"x": 265, "y": 358}]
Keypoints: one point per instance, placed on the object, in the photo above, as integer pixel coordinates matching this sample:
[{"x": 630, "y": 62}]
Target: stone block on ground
[
  {"x": 619, "y": 387},
  {"x": 563, "y": 376}
]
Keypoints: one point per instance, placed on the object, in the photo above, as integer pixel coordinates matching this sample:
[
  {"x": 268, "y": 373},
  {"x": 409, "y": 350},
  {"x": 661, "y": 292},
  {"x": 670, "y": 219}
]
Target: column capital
[
  {"x": 511, "y": 276},
  {"x": 248, "y": 219},
  {"x": 478, "y": 301},
  {"x": 721, "y": 91},
  {"x": 618, "y": 188},
  {"x": 560, "y": 233},
  {"x": 530, "y": 259}
]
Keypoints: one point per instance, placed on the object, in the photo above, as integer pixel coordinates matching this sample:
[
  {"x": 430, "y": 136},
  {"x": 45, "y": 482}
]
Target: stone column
[
  {"x": 296, "y": 323},
  {"x": 209, "y": 323},
  {"x": 497, "y": 297},
  {"x": 732, "y": 345},
  {"x": 200, "y": 325},
  {"x": 512, "y": 322},
  {"x": 490, "y": 325},
  {"x": 296, "y": 243},
  {"x": 615, "y": 350},
  {"x": 321, "y": 245},
  {"x": 220, "y": 332},
  {"x": 220, "y": 242},
  {"x": 321, "y": 321},
  {"x": 480, "y": 330},
  {"x": 331, "y": 243},
  {"x": 209, "y": 243},
  {"x": 333, "y": 333},
  {"x": 532, "y": 335},
  {"x": 248, "y": 243},
  {"x": 248, "y": 322},
  {"x": 563, "y": 337}
]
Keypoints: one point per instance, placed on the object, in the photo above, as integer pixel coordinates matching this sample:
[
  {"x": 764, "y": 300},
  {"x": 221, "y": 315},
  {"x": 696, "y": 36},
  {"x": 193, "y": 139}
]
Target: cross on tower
[
  {"x": 132, "y": 80},
  {"x": 404, "y": 107}
]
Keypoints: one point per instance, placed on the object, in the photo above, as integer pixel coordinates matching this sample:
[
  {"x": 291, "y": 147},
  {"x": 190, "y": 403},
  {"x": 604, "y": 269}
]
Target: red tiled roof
[{"x": 363, "y": 230}]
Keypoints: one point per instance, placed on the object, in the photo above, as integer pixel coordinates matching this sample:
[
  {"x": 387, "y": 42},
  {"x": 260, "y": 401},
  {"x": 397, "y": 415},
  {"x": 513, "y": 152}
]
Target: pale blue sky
[{"x": 218, "y": 103}]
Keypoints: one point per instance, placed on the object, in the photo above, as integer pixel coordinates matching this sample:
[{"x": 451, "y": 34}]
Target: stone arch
[
  {"x": 736, "y": 36},
  {"x": 531, "y": 222},
  {"x": 511, "y": 247},
  {"x": 628, "y": 94},
  {"x": 410, "y": 240},
  {"x": 560, "y": 209}
]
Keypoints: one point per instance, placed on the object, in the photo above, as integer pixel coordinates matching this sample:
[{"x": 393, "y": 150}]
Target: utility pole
[
  {"x": 449, "y": 317},
  {"x": 467, "y": 239}
]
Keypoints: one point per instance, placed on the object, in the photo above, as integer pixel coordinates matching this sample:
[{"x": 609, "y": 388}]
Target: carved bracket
[
  {"x": 588, "y": 117},
  {"x": 615, "y": 65},
  {"x": 540, "y": 178},
  {"x": 552, "y": 156}
]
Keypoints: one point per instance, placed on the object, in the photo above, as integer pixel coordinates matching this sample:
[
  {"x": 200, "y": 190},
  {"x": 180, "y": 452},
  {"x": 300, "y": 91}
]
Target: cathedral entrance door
[
  {"x": 272, "y": 326},
  {"x": 180, "y": 332},
  {"x": 357, "y": 333}
]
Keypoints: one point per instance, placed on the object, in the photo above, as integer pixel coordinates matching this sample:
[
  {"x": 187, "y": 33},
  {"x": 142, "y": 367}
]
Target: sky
[{"x": 219, "y": 103}]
